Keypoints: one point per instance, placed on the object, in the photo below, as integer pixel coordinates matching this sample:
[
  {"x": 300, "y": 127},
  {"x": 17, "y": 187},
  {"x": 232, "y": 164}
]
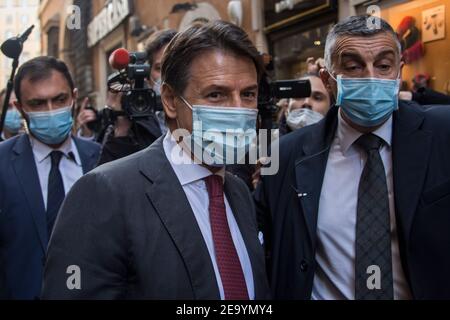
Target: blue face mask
[
  {"x": 51, "y": 127},
  {"x": 13, "y": 121},
  {"x": 367, "y": 102},
  {"x": 221, "y": 135}
]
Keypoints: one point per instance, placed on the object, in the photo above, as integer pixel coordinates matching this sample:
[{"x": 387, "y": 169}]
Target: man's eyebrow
[
  {"x": 216, "y": 87},
  {"x": 36, "y": 101},
  {"x": 227, "y": 88},
  {"x": 350, "y": 55},
  {"x": 61, "y": 95},
  {"x": 251, "y": 87},
  {"x": 384, "y": 53}
]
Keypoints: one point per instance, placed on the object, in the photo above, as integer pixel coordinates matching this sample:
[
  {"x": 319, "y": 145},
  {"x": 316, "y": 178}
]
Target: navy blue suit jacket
[
  {"x": 421, "y": 172},
  {"x": 23, "y": 227}
]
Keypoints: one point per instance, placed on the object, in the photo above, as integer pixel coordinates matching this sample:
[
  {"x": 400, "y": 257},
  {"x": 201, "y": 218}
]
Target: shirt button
[{"x": 304, "y": 266}]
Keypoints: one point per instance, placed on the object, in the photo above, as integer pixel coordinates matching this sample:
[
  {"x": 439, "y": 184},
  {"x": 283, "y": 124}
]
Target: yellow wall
[{"x": 436, "y": 61}]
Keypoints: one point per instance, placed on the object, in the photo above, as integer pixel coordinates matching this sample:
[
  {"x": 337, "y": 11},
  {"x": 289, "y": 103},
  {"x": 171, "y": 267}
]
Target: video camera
[
  {"x": 138, "y": 100},
  {"x": 270, "y": 92}
]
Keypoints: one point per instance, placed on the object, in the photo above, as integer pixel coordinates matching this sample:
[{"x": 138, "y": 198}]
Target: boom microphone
[{"x": 12, "y": 48}]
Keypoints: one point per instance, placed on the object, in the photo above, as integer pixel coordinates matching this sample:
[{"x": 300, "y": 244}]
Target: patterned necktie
[
  {"x": 373, "y": 238},
  {"x": 55, "y": 191},
  {"x": 230, "y": 269}
]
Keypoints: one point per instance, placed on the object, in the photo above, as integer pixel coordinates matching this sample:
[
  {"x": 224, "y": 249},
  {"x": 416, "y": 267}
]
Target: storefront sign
[
  {"x": 286, "y": 4},
  {"x": 107, "y": 20},
  {"x": 279, "y": 14}
]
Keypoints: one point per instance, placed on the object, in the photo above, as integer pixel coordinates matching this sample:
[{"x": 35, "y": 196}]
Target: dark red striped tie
[{"x": 230, "y": 269}]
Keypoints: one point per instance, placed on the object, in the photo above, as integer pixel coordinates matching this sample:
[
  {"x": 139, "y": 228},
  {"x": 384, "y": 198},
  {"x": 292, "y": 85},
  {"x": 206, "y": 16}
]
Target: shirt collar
[
  {"x": 186, "y": 170},
  {"x": 42, "y": 151},
  {"x": 348, "y": 135}
]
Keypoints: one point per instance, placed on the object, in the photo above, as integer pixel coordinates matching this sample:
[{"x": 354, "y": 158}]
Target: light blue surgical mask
[
  {"x": 222, "y": 134},
  {"x": 13, "y": 121},
  {"x": 51, "y": 127},
  {"x": 367, "y": 102}
]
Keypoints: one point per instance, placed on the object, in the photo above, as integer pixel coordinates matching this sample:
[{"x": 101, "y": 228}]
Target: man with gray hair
[{"x": 365, "y": 207}]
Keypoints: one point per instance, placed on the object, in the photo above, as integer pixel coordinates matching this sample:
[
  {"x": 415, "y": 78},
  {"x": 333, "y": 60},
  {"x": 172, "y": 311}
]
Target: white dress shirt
[
  {"x": 80, "y": 136},
  {"x": 336, "y": 224},
  {"x": 190, "y": 176},
  {"x": 70, "y": 165}
]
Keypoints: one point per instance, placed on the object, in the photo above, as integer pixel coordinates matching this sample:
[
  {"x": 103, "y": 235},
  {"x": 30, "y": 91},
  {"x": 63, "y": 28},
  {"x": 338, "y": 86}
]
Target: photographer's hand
[{"x": 84, "y": 117}]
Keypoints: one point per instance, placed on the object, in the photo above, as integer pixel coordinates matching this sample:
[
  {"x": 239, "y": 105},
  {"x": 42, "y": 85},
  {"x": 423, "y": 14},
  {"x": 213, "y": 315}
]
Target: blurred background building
[
  {"x": 289, "y": 30},
  {"x": 15, "y": 17}
]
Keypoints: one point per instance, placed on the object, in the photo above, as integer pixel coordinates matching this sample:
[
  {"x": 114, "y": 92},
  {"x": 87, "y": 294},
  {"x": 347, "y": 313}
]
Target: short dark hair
[
  {"x": 356, "y": 26},
  {"x": 157, "y": 41},
  {"x": 41, "y": 68},
  {"x": 216, "y": 35}
]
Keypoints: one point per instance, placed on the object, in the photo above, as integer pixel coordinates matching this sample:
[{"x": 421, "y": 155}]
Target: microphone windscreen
[{"x": 119, "y": 59}]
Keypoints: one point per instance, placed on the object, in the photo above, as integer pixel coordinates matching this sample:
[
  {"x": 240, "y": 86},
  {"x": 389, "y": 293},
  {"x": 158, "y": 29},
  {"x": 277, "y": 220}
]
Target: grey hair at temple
[{"x": 356, "y": 26}]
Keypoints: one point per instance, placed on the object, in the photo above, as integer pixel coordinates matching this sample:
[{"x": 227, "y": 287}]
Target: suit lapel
[
  {"x": 87, "y": 156},
  {"x": 310, "y": 169},
  {"x": 166, "y": 195},
  {"x": 244, "y": 215},
  {"x": 309, "y": 173},
  {"x": 25, "y": 169},
  {"x": 410, "y": 153}
]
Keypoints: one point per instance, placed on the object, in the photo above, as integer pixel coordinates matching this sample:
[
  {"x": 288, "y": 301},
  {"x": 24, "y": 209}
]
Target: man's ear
[
  {"x": 168, "y": 97},
  {"x": 75, "y": 94},
  {"x": 402, "y": 64},
  {"x": 325, "y": 77},
  {"x": 328, "y": 82},
  {"x": 19, "y": 108},
  {"x": 75, "y": 110}
]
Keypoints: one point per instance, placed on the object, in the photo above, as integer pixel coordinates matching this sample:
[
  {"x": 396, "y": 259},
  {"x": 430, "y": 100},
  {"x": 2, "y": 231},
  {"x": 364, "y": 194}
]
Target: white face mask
[
  {"x": 299, "y": 118},
  {"x": 157, "y": 86}
]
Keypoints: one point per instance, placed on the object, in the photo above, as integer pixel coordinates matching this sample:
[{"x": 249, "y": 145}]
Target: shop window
[{"x": 290, "y": 53}]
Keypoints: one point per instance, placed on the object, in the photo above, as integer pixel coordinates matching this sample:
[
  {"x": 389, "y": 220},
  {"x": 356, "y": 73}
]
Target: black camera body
[
  {"x": 271, "y": 91},
  {"x": 138, "y": 100},
  {"x": 285, "y": 89},
  {"x": 103, "y": 118}
]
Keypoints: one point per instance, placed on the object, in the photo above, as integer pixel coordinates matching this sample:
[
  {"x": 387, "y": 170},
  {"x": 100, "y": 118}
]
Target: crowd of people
[{"x": 155, "y": 208}]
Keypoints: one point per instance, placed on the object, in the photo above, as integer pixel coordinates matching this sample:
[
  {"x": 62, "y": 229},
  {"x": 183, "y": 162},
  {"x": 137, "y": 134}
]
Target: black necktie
[
  {"x": 56, "y": 194},
  {"x": 373, "y": 260}
]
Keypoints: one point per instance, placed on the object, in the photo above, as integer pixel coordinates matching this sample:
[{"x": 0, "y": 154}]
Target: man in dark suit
[
  {"x": 167, "y": 223},
  {"x": 360, "y": 208},
  {"x": 38, "y": 169}
]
